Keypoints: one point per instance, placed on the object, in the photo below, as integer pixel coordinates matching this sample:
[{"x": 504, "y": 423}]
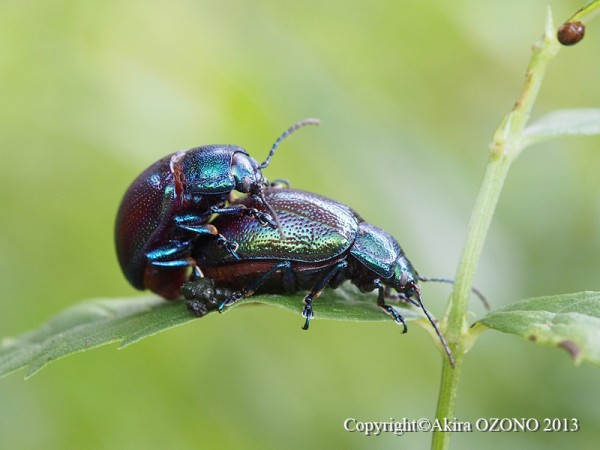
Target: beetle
[
  {"x": 168, "y": 206},
  {"x": 570, "y": 33},
  {"x": 325, "y": 243}
]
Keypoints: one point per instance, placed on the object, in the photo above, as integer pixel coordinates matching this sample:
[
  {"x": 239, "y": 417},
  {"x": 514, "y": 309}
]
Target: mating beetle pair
[
  {"x": 168, "y": 207},
  {"x": 273, "y": 240}
]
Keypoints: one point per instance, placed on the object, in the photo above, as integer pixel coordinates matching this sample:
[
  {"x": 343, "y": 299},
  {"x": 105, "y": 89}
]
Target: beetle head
[
  {"x": 405, "y": 279},
  {"x": 247, "y": 174},
  {"x": 249, "y": 180}
]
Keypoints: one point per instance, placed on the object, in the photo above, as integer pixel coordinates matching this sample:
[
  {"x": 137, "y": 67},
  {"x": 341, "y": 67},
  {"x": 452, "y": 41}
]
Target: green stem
[
  {"x": 505, "y": 147},
  {"x": 589, "y": 10},
  {"x": 457, "y": 325}
]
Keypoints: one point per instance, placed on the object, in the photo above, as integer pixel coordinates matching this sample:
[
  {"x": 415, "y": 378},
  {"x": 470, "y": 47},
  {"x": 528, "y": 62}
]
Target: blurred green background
[{"x": 409, "y": 94}]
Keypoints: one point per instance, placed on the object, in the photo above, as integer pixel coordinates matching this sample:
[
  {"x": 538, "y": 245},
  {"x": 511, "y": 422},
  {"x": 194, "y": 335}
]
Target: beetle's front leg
[
  {"x": 280, "y": 183},
  {"x": 263, "y": 218},
  {"x": 195, "y": 224},
  {"x": 398, "y": 296},
  {"x": 387, "y": 308}
]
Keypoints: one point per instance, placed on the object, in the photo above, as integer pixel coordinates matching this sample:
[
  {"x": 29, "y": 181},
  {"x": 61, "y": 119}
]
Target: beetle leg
[
  {"x": 249, "y": 290},
  {"x": 398, "y": 296},
  {"x": 280, "y": 183},
  {"x": 230, "y": 246},
  {"x": 387, "y": 308},
  {"x": 189, "y": 223},
  {"x": 174, "y": 254},
  {"x": 307, "y": 312},
  {"x": 263, "y": 218},
  {"x": 195, "y": 224},
  {"x": 182, "y": 262}
]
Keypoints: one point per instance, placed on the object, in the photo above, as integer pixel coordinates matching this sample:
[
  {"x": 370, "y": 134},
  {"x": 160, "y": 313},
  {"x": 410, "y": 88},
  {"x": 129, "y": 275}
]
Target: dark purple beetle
[{"x": 168, "y": 206}]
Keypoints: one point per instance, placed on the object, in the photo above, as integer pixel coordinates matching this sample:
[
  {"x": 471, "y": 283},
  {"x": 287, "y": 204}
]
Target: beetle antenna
[
  {"x": 261, "y": 196},
  {"x": 286, "y": 133},
  {"x": 475, "y": 291},
  {"x": 435, "y": 327}
]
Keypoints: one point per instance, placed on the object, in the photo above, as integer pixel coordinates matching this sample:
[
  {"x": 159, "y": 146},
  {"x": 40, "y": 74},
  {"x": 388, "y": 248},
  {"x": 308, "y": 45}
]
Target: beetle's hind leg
[{"x": 284, "y": 266}]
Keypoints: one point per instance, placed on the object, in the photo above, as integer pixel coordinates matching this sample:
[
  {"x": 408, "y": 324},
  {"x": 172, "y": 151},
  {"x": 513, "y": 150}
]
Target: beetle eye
[
  {"x": 403, "y": 279},
  {"x": 246, "y": 184}
]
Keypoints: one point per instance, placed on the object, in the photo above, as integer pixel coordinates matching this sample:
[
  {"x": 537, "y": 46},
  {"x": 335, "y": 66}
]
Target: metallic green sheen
[
  {"x": 376, "y": 250},
  {"x": 208, "y": 169},
  {"x": 315, "y": 229}
]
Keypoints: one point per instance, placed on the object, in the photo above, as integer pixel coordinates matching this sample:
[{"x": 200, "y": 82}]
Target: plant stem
[
  {"x": 590, "y": 9},
  {"x": 505, "y": 147}
]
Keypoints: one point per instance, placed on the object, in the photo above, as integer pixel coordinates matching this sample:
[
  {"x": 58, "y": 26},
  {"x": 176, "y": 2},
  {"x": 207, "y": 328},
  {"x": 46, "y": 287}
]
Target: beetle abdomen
[
  {"x": 302, "y": 276},
  {"x": 141, "y": 218}
]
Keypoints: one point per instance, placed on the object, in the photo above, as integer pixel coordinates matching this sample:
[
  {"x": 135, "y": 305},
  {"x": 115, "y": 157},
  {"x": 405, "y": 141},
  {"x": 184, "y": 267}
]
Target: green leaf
[
  {"x": 94, "y": 323},
  {"x": 565, "y": 122},
  {"x": 569, "y": 321}
]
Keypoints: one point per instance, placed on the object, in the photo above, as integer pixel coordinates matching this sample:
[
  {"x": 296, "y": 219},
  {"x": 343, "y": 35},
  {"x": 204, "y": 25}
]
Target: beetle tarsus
[
  {"x": 306, "y": 324},
  {"x": 280, "y": 183},
  {"x": 230, "y": 246},
  {"x": 263, "y": 218},
  {"x": 307, "y": 312},
  {"x": 397, "y": 317},
  {"x": 230, "y": 300}
]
